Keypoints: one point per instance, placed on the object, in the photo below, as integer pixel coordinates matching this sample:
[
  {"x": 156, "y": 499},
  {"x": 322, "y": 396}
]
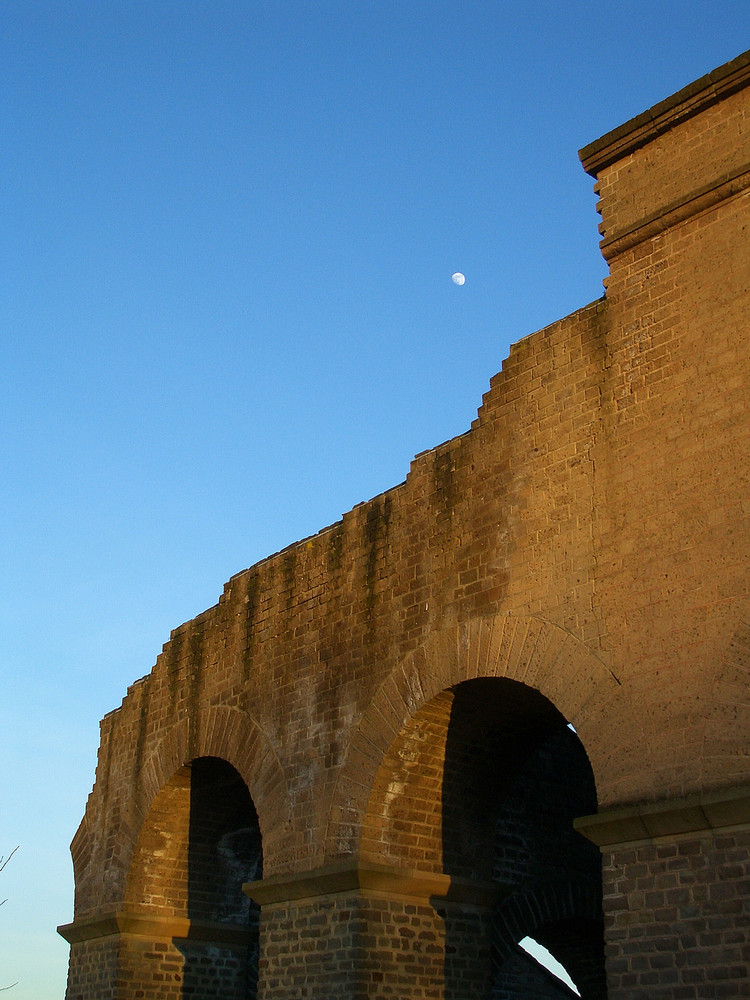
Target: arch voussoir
[
  {"x": 538, "y": 658},
  {"x": 435, "y": 663}
]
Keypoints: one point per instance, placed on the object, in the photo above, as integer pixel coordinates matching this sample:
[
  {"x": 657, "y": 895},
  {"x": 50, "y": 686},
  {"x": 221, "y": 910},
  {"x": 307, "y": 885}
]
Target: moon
[{"x": 458, "y": 278}]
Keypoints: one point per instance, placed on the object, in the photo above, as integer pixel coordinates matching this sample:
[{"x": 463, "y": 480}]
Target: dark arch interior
[
  {"x": 224, "y": 846},
  {"x": 199, "y": 843},
  {"x": 515, "y": 776}
]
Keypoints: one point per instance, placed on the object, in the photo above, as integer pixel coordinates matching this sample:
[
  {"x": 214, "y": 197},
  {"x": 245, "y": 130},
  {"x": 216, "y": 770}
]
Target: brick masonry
[
  {"x": 369, "y": 729},
  {"x": 677, "y": 918}
]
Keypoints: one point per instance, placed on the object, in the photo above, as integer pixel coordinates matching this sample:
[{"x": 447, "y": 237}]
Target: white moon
[{"x": 458, "y": 278}]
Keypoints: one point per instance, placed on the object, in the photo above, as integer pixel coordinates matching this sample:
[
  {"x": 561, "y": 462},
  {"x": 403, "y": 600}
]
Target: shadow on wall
[
  {"x": 224, "y": 850},
  {"x": 515, "y": 776}
]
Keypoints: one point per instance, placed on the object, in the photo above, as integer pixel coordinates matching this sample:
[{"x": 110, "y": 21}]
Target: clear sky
[{"x": 228, "y": 234}]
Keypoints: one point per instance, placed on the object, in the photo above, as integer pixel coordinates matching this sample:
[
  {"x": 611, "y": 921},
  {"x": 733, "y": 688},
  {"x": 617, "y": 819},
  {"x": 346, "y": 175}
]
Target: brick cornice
[
  {"x": 384, "y": 881},
  {"x": 709, "y": 812},
  {"x": 665, "y": 115}
]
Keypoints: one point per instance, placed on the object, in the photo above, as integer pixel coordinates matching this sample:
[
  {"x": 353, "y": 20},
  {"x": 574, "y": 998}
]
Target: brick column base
[
  {"x": 350, "y": 932},
  {"x": 137, "y": 956}
]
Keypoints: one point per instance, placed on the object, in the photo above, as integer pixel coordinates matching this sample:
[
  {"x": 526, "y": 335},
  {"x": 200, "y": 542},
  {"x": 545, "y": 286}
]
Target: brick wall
[
  {"x": 584, "y": 545},
  {"x": 311, "y": 947},
  {"x": 678, "y": 919}
]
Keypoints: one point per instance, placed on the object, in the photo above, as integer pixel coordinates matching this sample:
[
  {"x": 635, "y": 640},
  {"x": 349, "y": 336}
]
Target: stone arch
[
  {"x": 228, "y": 734},
  {"x": 466, "y": 770},
  {"x": 196, "y": 932},
  {"x": 529, "y": 650},
  {"x": 458, "y": 793}
]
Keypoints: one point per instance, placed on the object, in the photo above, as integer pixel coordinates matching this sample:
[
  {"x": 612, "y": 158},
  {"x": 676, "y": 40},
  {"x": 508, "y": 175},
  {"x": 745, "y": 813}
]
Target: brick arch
[
  {"x": 530, "y": 650},
  {"x": 199, "y": 843},
  {"x": 229, "y": 734},
  {"x": 524, "y": 913},
  {"x": 566, "y": 918}
]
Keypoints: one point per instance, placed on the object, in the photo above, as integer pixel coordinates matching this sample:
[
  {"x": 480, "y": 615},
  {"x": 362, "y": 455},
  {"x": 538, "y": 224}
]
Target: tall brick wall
[{"x": 386, "y": 702}]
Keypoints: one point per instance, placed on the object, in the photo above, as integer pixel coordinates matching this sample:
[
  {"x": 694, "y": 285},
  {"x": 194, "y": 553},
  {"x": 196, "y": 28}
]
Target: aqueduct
[{"x": 507, "y": 697}]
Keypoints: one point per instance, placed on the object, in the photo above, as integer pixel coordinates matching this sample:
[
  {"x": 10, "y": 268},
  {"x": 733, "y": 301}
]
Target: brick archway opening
[
  {"x": 482, "y": 785},
  {"x": 192, "y": 932}
]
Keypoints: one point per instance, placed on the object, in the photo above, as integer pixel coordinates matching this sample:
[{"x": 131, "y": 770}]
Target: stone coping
[
  {"x": 351, "y": 877},
  {"x": 153, "y": 926},
  {"x": 662, "y": 117},
  {"x": 707, "y": 812}
]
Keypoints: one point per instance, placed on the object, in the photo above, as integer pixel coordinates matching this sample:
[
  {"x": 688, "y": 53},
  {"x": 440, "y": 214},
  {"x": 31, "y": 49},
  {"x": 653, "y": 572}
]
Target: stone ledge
[
  {"x": 662, "y": 117},
  {"x": 678, "y": 211},
  {"x": 382, "y": 881},
  {"x": 152, "y": 926},
  {"x": 709, "y": 812}
]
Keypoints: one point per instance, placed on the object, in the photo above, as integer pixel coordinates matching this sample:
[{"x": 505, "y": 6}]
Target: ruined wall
[{"x": 583, "y": 549}]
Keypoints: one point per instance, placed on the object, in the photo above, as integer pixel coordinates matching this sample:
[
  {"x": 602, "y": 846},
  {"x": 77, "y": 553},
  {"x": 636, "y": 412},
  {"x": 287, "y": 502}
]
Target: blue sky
[{"x": 227, "y": 316}]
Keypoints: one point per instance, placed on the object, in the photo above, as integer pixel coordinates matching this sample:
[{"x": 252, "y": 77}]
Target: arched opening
[
  {"x": 482, "y": 785},
  {"x": 195, "y": 931}
]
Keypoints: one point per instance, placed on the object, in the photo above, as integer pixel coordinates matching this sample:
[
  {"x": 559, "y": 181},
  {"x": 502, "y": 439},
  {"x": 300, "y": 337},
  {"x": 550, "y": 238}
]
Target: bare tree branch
[{"x": 3, "y": 863}]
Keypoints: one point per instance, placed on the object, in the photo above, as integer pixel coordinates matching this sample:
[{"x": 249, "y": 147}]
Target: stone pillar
[
  {"x": 676, "y": 879},
  {"x": 374, "y": 931}
]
